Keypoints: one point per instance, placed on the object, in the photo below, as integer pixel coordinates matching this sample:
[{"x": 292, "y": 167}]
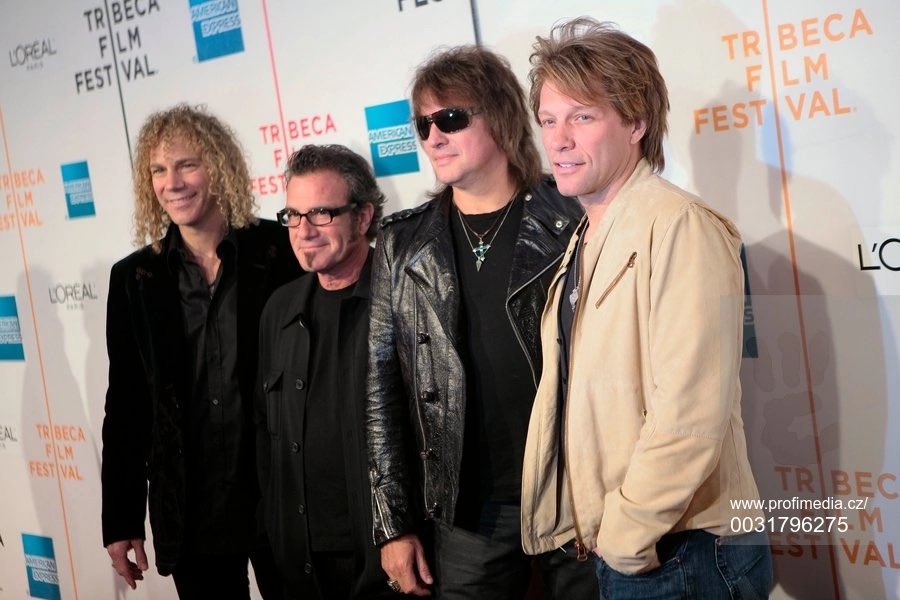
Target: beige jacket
[{"x": 652, "y": 436}]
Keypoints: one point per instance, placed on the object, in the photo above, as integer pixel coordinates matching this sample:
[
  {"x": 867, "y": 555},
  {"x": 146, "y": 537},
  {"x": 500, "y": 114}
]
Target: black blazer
[{"x": 150, "y": 382}]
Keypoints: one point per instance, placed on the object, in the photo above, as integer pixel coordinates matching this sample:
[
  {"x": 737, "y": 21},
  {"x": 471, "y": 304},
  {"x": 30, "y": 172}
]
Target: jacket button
[
  {"x": 435, "y": 510},
  {"x": 265, "y": 386},
  {"x": 307, "y": 568},
  {"x": 299, "y": 384},
  {"x": 422, "y": 337},
  {"x": 427, "y": 396},
  {"x": 427, "y": 454},
  {"x": 215, "y": 401},
  {"x": 301, "y": 509},
  {"x": 295, "y": 447}
]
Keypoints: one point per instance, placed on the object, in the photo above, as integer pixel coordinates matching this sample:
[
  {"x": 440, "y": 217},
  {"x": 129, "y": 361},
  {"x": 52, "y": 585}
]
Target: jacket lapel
[
  {"x": 164, "y": 328},
  {"x": 541, "y": 242},
  {"x": 293, "y": 312},
  {"x": 433, "y": 267}
]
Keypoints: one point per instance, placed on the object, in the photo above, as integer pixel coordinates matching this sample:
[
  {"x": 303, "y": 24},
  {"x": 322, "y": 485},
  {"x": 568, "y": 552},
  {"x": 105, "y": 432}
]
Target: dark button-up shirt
[{"x": 217, "y": 440}]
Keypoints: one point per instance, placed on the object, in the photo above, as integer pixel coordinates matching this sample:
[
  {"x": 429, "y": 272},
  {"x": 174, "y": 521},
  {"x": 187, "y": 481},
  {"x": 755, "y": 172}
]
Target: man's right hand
[
  {"x": 131, "y": 572},
  {"x": 403, "y": 559}
]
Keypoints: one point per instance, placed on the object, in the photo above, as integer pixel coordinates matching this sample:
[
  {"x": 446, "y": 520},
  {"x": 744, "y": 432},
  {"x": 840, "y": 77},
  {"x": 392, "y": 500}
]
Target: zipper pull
[{"x": 582, "y": 551}]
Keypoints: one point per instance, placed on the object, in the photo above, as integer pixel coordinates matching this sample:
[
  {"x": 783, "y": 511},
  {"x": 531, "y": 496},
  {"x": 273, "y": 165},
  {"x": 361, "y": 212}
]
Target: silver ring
[{"x": 394, "y": 585}]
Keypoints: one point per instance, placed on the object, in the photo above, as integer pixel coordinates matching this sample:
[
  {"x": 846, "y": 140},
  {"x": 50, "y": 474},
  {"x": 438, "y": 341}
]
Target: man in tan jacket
[{"x": 636, "y": 446}]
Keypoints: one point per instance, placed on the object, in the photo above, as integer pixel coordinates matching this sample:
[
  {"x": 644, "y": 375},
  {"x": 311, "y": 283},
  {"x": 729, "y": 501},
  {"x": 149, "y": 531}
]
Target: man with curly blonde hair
[{"x": 182, "y": 319}]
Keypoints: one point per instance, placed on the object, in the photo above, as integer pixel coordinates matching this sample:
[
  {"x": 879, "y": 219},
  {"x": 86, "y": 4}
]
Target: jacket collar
[
  {"x": 436, "y": 222},
  {"x": 304, "y": 285},
  {"x": 431, "y": 240},
  {"x": 540, "y": 243},
  {"x": 174, "y": 250},
  {"x": 542, "y": 239}
]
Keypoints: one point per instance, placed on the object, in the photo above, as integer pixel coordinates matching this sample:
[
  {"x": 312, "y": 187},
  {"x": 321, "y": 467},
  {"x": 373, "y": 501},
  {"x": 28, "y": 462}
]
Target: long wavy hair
[
  {"x": 221, "y": 153},
  {"x": 475, "y": 76}
]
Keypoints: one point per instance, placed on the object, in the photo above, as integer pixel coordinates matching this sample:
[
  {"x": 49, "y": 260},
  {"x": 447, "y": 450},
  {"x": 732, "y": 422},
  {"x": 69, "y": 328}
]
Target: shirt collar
[{"x": 176, "y": 252}]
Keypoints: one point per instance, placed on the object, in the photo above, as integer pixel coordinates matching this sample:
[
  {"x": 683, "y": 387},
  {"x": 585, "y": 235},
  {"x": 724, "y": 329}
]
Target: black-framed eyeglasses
[
  {"x": 448, "y": 120},
  {"x": 316, "y": 216}
]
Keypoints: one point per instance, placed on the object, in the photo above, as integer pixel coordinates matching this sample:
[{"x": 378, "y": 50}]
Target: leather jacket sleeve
[{"x": 387, "y": 412}]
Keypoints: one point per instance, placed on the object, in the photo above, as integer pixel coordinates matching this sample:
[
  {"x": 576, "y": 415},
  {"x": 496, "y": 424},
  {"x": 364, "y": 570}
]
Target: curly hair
[
  {"x": 480, "y": 78},
  {"x": 350, "y": 166},
  {"x": 221, "y": 153},
  {"x": 593, "y": 62}
]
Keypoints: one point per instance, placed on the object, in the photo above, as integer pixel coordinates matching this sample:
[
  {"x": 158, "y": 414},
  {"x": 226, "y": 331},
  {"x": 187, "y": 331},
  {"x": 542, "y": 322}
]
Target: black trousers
[
  {"x": 225, "y": 576},
  {"x": 488, "y": 563}
]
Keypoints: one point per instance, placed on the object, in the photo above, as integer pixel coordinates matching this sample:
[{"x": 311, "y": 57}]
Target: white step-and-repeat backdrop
[{"x": 783, "y": 117}]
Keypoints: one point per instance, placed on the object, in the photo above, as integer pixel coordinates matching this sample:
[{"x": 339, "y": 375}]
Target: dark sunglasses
[{"x": 448, "y": 120}]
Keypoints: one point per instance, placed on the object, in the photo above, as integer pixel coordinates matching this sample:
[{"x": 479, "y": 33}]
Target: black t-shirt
[
  {"x": 326, "y": 478},
  {"x": 567, "y": 304},
  {"x": 499, "y": 385}
]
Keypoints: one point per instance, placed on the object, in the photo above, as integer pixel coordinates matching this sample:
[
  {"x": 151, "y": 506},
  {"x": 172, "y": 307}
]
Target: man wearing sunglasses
[
  {"x": 181, "y": 334},
  {"x": 454, "y": 357},
  {"x": 311, "y": 384}
]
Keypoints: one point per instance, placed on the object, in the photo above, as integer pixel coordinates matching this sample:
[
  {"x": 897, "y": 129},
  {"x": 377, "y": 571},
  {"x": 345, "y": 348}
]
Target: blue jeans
[{"x": 696, "y": 565}]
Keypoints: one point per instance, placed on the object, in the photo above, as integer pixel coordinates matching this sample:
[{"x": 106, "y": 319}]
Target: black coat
[
  {"x": 281, "y": 407},
  {"x": 416, "y": 386},
  {"x": 150, "y": 383}
]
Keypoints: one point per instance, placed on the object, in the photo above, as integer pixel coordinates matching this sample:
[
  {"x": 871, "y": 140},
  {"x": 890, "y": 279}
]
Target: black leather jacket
[{"x": 416, "y": 404}]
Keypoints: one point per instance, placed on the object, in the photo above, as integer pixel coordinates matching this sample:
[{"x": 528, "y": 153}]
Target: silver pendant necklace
[
  {"x": 481, "y": 249},
  {"x": 573, "y": 297}
]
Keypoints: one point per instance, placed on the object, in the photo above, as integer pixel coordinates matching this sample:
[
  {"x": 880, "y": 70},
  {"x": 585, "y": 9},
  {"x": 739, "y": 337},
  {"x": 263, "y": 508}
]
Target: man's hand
[
  {"x": 403, "y": 559},
  {"x": 131, "y": 572}
]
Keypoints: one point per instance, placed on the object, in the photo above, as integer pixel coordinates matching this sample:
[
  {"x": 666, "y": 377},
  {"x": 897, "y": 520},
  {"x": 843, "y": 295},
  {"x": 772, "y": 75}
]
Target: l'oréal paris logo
[
  {"x": 7, "y": 435},
  {"x": 72, "y": 295},
  {"x": 883, "y": 254},
  {"x": 31, "y": 55}
]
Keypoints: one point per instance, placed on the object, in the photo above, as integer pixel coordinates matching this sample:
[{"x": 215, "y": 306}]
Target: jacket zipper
[
  {"x": 617, "y": 279},
  {"x": 512, "y": 322},
  {"x": 580, "y": 548},
  {"x": 417, "y": 400},
  {"x": 389, "y": 531}
]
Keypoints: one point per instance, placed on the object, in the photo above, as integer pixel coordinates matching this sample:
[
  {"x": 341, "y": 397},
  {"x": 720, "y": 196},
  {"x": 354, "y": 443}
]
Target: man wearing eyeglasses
[
  {"x": 459, "y": 284},
  {"x": 311, "y": 384},
  {"x": 181, "y": 334}
]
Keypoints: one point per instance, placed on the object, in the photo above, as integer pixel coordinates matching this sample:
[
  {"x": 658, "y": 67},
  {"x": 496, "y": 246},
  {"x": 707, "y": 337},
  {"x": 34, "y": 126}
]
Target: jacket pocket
[
  {"x": 617, "y": 279},
  {"x": 272, "y": 389}
]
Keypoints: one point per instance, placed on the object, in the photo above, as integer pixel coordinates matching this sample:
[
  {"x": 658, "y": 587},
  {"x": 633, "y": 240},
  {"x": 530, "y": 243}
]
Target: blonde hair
[
  {"x": 593, "y": 62},
  {"x": 222, "y": 156}
]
